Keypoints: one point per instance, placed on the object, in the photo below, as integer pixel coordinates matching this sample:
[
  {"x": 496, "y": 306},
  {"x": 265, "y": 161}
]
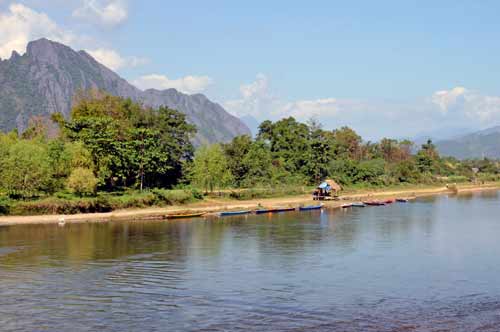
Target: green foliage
[
  {"x": 172, "y": 197},
  {"x": 82, "y": 182},
  {"x": 210, "y": 168},
  {"x": 113, "y": 151},
  {"x": 5, "y": 204},
  {"x": 25, "y": 169},
  {"x": 129, "y": 145}
]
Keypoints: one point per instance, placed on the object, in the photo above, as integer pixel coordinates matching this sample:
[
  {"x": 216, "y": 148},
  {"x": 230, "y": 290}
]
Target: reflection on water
[{"x": 429, "y": 265}]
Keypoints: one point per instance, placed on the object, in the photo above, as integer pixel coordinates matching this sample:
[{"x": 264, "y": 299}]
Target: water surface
[{"x": 429, "y": 265}]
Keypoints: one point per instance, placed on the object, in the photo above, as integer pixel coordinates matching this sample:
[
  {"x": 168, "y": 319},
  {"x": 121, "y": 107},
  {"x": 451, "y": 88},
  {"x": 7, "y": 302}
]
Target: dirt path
[{"x": 211, "y": 206}]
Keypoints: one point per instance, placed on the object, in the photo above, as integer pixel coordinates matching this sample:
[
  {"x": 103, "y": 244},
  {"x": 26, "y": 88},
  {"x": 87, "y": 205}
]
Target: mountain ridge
[
  {"x": 479, "y": 144},
  {"x": 44, "y": 80}
]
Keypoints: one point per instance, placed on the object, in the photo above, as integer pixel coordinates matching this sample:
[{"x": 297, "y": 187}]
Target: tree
[
  {"x": 235, "y": 152},
  {"x": 288, "y": 140},
  {"x": 130, "y": 145},
  {"x": 210, "y": 168},
  {"x": 25, "y": 169},
  {"x": 82, "y": 182},
  {"x": 427, "y": 158},
  {"x": 346, "y": 143}
]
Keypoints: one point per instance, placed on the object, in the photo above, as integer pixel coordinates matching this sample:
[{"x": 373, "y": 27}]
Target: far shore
[{"x": 212, "y": 206}]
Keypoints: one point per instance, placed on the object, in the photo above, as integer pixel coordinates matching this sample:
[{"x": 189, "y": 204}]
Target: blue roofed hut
[{"x": 327, "y": 190}]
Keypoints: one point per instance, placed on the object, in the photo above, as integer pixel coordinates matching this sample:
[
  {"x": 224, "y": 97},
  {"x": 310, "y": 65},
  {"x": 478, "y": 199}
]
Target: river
[{"x": 429, "y": 265}]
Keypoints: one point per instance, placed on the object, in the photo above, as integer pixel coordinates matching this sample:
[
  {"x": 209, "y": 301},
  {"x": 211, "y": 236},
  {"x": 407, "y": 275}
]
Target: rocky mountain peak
[{"x": 50, "y": 73}]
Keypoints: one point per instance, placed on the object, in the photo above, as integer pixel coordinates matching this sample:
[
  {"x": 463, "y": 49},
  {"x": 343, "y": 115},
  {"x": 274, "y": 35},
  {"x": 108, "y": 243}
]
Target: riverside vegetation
[{"x": 113, "y": 153}]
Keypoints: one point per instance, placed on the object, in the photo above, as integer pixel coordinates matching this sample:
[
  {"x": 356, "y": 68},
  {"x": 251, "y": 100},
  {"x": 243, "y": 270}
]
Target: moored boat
[
  {"x": 402, "y": 200},
  {"x": 184, "y": 216},
  {"x": 274, "y": 210},
  {"x": 374, "y": 203},
  {"x": 347, "y": 205},
  {"x": 358, "y": 204},
  {"x": 310, "y": 207},
  {"x": 234, "y": 213},
  {"x": 389, "y": 201}
]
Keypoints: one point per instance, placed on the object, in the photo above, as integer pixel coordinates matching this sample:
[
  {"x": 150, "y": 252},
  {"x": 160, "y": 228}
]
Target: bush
[
  {"x": 4, "y": 205},
  {"x": 172, "y": 197},
  {"x": 82, "y": 182},
  {"x": 55, "y": 205}
]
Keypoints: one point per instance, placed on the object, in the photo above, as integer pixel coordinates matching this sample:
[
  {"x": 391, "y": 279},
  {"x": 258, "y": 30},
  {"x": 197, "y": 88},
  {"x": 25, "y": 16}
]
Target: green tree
[
  {"x": 82, "y": 182},
  {"x": 210, "y": 168},
  {"x": 25, "y": 169},
  {"x": 236, "y": 152},
  {"x": 131, "y": 145}
]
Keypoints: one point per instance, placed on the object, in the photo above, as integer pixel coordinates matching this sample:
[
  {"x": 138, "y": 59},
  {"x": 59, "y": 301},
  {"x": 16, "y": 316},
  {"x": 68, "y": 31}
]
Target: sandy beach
[{"x": 211, "y": 206}]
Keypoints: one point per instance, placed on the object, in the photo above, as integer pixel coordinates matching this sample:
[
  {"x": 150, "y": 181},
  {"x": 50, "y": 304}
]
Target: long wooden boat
[
  {"x": 374, "y": 203},
  {"x": 358, "y": 204},
  {"x": 402, "y": 200},
  {"x": 389, "y": 201},
  {"x": 183, "y": 216},
  {"x": 234, "y": 213},
  {"x": 347, "y": 205},
  {"x": 311, "y": 207},
  {"x": 275, "y": 210}
]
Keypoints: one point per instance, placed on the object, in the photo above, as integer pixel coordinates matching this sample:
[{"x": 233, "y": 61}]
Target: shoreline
[{"x": 212, "y": 206}]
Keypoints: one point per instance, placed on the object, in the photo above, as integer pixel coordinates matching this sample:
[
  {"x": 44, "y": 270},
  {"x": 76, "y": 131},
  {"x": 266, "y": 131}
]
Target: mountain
[
  {"x": 480, "y": 144},
  {"x": 44, "y": 80}
]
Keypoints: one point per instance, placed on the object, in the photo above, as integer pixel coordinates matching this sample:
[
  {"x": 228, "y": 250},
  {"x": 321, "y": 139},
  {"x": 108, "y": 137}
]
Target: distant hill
[
  {"x": 44, "y": 80},
  {"x": 480, "y": 144}
]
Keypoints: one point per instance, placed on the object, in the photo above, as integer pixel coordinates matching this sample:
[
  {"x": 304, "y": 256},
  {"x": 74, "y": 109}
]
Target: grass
[{"x": 65, "y": 203}]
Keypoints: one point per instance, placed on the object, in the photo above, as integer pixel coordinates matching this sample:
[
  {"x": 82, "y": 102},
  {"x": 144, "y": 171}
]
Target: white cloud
[
  {"x": 312, "y": 108},
  {"x": 455, "y": 108},
  {"x": 187, "y": 84},
  {"x": 105, "y": 12},
  {"x": 256, "y": 99},
  {"x": 448, "y": 99},
  {"x": 21, "y": 24},
  {"x": 460, "y": 102},
  {"x": 113, "y": 60}
]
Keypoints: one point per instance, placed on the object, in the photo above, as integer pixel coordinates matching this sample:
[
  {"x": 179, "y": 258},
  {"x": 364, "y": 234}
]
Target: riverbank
[{"x": 211, "y": 206}]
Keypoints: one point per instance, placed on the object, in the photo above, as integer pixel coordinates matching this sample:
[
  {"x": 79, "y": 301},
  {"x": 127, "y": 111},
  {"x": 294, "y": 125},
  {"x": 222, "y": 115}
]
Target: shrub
[
  {"x": 82, "y": 182},
  {"x": 4, "y": 205},
  {"x": 172, "y": 197},
  {"x": 53, "y": 205}
]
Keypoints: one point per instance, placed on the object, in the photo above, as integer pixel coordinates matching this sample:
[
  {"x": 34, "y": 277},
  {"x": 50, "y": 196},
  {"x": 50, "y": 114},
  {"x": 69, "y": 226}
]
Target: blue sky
[{"x": 386, "y": 68}]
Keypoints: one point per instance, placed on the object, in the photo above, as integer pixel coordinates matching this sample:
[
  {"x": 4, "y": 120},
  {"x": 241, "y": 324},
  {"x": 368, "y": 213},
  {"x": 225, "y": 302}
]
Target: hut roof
[{"x": 335, "y": 186}]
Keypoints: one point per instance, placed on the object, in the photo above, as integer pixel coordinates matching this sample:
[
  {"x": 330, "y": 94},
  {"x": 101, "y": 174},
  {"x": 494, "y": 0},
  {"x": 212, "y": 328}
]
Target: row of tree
[
  {"x": 290, "y": 152},
  {"x": 110, "y": 143}
]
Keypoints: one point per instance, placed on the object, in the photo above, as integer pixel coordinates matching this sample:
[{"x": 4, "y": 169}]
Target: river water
[{"x": 429, "y": 265}]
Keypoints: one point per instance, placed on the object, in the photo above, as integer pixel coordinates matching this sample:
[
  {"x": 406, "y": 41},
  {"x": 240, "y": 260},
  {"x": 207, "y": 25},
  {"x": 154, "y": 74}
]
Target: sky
[{"x": 385, "y": 68}]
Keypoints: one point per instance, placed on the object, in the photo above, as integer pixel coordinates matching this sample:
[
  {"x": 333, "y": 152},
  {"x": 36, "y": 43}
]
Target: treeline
[
  {"x": 113, "y": 145},
  {"x": 290, "y": 152},
  {"x": 109, "y": 143}
]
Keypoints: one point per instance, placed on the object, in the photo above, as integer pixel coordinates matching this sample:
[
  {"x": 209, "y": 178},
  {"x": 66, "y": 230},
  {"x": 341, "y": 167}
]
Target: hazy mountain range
[
  {"x": 44, "y": 80},
  {"x": 480, "y": 144}
]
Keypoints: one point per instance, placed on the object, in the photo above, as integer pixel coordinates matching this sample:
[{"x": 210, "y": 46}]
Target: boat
[
  {"x": 310, "y": 207},
  {"x": 347, "y": 205},
  {"x": 234, "y": 213},
  {"x": 389, "y": 201},
  {"x": 275, "y": 210},
  {"x": 183, "y": 216},
  {"x": 374, "y": 203},
  {"x": 358, "y": 204},
  {"x": 402, "y": 200}
]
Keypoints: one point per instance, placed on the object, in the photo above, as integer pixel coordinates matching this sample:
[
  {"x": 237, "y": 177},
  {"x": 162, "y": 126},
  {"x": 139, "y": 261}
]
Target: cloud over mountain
[{"x": 20, "y": 24}]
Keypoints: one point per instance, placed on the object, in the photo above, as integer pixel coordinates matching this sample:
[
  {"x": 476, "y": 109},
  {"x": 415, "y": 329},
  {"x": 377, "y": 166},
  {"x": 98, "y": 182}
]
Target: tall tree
[{"x": 210, "y": 168}]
